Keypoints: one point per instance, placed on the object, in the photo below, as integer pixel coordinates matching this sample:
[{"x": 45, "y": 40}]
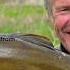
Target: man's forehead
[{"x": 61, "y": 2}]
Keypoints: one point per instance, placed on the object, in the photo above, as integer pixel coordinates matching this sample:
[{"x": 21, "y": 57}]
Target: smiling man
[{"x": 60, "y": 12}]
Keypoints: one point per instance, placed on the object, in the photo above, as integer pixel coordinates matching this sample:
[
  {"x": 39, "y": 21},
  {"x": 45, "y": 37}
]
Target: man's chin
[
  {"x": 66, "y": 45},
  {"x": 65, "y": 40}
]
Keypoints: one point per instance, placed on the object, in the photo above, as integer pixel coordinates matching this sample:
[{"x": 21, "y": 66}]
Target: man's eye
[{"x": 65, "y": 9}]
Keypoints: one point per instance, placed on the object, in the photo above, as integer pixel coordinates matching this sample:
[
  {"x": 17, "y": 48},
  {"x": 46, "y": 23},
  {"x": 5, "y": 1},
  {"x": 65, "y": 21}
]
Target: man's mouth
[{"x": 66, "y": 30}]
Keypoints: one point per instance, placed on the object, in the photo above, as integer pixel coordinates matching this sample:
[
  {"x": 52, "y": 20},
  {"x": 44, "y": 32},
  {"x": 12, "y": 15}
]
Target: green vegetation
[{"x": 25, "y": 19}]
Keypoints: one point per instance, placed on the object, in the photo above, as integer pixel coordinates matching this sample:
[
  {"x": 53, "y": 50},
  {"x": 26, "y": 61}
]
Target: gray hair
[{"x": 48, "y": 5}]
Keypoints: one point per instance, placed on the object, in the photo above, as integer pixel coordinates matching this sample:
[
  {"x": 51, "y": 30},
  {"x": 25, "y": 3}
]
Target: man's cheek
[{"x": 60, "y": 21}]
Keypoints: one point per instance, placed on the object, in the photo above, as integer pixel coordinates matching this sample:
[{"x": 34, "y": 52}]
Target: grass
[{"x": 25, "y": 19}]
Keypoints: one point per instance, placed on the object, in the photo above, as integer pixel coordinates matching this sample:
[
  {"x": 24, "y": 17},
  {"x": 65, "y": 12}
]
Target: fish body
[{"x": 27, "y": 53}]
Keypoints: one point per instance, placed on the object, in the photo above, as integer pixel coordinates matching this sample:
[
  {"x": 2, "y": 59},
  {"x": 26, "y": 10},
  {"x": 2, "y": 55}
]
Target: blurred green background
[{"x": 26, "y": 19}]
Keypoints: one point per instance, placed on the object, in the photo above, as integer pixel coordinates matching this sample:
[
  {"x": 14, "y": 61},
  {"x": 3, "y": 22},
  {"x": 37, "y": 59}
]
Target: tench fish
[{"x": 31, "y": 52}]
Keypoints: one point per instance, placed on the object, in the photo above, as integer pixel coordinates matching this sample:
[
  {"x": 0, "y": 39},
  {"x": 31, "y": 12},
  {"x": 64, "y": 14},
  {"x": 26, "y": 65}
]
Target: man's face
[{"x": 61, "y": 13}]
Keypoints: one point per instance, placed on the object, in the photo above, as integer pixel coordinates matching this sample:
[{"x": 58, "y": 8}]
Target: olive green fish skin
[{"x": 25, "y": 55}]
